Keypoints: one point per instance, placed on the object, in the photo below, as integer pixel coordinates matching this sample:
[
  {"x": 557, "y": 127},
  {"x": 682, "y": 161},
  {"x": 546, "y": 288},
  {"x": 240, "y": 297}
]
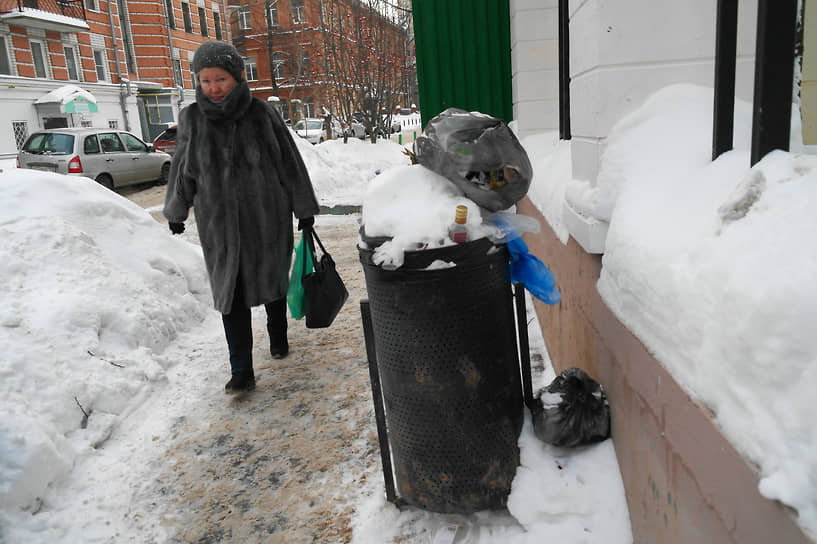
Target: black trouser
[{"x": 238, "y": 329}]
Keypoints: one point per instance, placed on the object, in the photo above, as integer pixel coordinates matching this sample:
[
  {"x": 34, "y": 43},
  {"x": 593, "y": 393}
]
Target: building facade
[
  {"x": 134, "y": 56},
  {"x": 316, "y": 56}
]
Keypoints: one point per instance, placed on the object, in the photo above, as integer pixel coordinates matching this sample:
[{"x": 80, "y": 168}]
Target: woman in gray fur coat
[{"x": 237, "y": 165}]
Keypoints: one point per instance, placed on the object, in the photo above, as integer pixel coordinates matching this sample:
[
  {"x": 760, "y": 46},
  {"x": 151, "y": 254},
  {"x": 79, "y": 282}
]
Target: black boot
[
  {"x": 240, "y": 383},
  {"x": 277, "y": 328}
]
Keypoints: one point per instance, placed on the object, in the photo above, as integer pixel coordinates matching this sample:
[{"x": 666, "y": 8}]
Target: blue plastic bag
[{"x": 530, "y": 271}]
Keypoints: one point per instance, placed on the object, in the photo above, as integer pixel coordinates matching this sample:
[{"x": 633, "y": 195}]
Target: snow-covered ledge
[{"x": 589, "y": 232}]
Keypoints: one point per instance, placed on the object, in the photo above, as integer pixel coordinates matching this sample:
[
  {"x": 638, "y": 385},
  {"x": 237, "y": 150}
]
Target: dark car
[{"x": 166, "y": 141}]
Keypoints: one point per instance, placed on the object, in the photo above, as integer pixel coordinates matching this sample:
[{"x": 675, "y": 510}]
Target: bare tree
[{"x": 365, "y": 54}]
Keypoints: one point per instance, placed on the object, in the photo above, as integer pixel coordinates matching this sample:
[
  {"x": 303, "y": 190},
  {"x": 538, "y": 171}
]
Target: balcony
[{"x": 57, "y": 15}]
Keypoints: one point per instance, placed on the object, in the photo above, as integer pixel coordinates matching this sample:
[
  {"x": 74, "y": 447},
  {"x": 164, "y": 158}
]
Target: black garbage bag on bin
[
  {"x": 478, "y": 153},
  {"x": 571, "y": 411}
]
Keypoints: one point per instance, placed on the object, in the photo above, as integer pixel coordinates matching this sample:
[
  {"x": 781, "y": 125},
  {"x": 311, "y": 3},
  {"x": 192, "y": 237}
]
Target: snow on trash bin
[{"x": 444, "y": 334}]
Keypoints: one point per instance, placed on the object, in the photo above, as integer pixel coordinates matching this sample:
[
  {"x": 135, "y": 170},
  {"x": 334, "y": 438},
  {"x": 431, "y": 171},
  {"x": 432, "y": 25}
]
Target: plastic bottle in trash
[{"x": 458, "y": 232}]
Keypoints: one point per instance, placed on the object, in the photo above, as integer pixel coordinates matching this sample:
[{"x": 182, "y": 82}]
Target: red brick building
[
  {"x": 325, "y": 55},
  {"x": 134, "y": 57}
]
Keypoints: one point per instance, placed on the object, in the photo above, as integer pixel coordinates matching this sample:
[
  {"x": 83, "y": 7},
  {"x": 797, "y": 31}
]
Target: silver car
[{"x": 114, "y": 158}]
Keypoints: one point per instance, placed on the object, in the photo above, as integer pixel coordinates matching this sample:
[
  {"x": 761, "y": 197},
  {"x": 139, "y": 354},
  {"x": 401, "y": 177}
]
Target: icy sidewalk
[{"x": 297, "y": 460}]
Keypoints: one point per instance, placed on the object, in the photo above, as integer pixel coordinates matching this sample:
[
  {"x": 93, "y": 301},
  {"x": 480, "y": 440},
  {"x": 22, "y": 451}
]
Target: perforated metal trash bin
[{"x": 446, "y": 354}]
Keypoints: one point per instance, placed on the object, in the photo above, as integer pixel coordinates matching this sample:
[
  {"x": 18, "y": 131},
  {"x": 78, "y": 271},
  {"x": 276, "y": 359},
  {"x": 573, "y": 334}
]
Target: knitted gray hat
[{"x": 215, "y": 54}]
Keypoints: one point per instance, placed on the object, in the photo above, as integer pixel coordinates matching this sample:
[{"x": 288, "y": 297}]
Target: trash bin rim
[{"x": 459, "y": 254}]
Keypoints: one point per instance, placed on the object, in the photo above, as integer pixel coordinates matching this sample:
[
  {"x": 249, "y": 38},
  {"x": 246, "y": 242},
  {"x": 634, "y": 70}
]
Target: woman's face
[{"x": 216, "y": 83}]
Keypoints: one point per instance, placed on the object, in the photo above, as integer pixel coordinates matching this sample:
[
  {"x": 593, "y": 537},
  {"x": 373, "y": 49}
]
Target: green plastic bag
[{"x": 295, "y": 292}]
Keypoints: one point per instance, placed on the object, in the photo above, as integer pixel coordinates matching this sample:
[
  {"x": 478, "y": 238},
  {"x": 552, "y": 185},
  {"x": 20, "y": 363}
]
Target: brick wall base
[{"x": 684, "y": 482}]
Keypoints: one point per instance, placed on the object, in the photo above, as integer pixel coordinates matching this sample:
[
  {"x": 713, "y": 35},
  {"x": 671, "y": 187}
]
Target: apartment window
[
  {"x": 244, "y": 18},
  {"x": 5, "y": 58},
  {"x": 177, "y": 73},
  {"x": 171, "y": 16},
  {"x": 272, "y": 13},
  {"x": 306, "y": 64},
  {"x": 251, "y": 68},
  {"x": 127, "y": 39},
  {"x": 93, "y": 5},
  {"x": 71, "y": 62},
  {"x": 101, "y": 61},
  {"x": 39, "y": 58},
  {"x": 217, "y": 24},
  {"x": 113, "y": 123},
  {"x": 203, "y": 21},
  {"x": 284, "y": 105},
  {"x": 298, "y": 13},
  {"x": 188, "y": 22},
  {"x": 309, "y": 107},
  {"x": 85, "y": 123},
  {"x": 20, "y": 129},
  {"x": 278, "y": 65}
]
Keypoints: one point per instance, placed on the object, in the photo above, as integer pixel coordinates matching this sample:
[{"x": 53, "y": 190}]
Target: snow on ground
[
  {"x": 101, "y": 305},
  {"x": 712, "y": 266},
  {"x": 341, "y": 171}
]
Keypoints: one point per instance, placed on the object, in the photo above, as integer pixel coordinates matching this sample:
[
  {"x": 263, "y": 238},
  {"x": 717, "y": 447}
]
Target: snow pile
[
  {"x": 415, "y": 207},
  {"x": 341, "y": 172},
  {"x": 93, "y": 289},
  {"x": 713, "y": 265},
  {"x": 551, "y": 161}
]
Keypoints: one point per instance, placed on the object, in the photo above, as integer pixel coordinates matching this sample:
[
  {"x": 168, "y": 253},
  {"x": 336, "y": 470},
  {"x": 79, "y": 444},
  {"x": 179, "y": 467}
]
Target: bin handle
[{"x": 524, "y": 344}]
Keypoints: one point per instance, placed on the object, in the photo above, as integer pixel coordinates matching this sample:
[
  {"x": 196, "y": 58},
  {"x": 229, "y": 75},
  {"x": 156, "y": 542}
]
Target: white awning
[{"x": 71, "y": 99}]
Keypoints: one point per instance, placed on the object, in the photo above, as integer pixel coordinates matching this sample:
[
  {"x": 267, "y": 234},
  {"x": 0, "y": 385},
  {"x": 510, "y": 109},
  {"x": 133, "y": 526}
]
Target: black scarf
[{"x": 231, "y": 107}]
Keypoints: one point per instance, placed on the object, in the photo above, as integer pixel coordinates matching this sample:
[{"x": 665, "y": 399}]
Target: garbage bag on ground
[
  {"x": 571, "y": 411},
  {"x": 479, "y": 154}
]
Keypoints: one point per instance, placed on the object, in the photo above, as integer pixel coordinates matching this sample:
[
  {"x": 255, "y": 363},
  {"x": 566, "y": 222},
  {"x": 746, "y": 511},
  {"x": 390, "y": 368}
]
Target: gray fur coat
[{"x": 237, "y": 165}]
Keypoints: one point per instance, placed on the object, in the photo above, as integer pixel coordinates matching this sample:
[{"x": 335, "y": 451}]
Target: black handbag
[{"x": 324, "y": 291}]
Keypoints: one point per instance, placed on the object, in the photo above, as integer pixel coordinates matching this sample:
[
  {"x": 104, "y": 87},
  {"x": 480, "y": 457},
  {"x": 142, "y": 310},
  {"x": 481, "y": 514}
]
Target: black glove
[
  {"x": 176, "y": 228},
  {"x": 306, "y": 223}
]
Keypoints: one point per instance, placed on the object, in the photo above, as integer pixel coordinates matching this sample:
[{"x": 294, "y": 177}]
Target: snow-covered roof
[{"x": 65, "y": 94}]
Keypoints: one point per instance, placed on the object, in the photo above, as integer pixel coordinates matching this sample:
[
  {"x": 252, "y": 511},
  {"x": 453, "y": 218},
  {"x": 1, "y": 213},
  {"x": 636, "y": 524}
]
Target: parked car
[
  {"x": 312, "y": 129},
  {"x": 166, "y": 141},
  {"x": 390, "y": 124},
  {"x": 357, "y": 129},
  {"x": 114, "y": 158}
]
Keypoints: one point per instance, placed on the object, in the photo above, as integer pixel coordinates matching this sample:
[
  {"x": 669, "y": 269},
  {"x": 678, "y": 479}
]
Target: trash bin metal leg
[
  {"x": 377, "y": 398},
  {"x": 524, "y": 343}
]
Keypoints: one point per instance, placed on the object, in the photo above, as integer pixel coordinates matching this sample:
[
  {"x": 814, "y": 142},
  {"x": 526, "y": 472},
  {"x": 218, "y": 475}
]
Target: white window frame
[
  {"x": 217, "y": 24},
  {"x": 178, "y": 78},
  {"x": 20, "y": 130},
  {"x": 92, "y": 5},
  {"x": 203, "y": 21},
  {"x": 308, "y": 107},
  {"x": 251, "y": 68},
  {"x": 278, "y": 61},
  {"x": 244, "y": 17},
  {"x": 187, "y": 18},
  {"x": 171, "y": 14},
  {"x": 9, "y": 54},
  {"x": 104, "y": 65},
  {"x": 272, "y": 15},
  {"x": 71, "y": 52},
  {"x": 41, "y": 45},
  {"x": 298, "y": 11}
]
